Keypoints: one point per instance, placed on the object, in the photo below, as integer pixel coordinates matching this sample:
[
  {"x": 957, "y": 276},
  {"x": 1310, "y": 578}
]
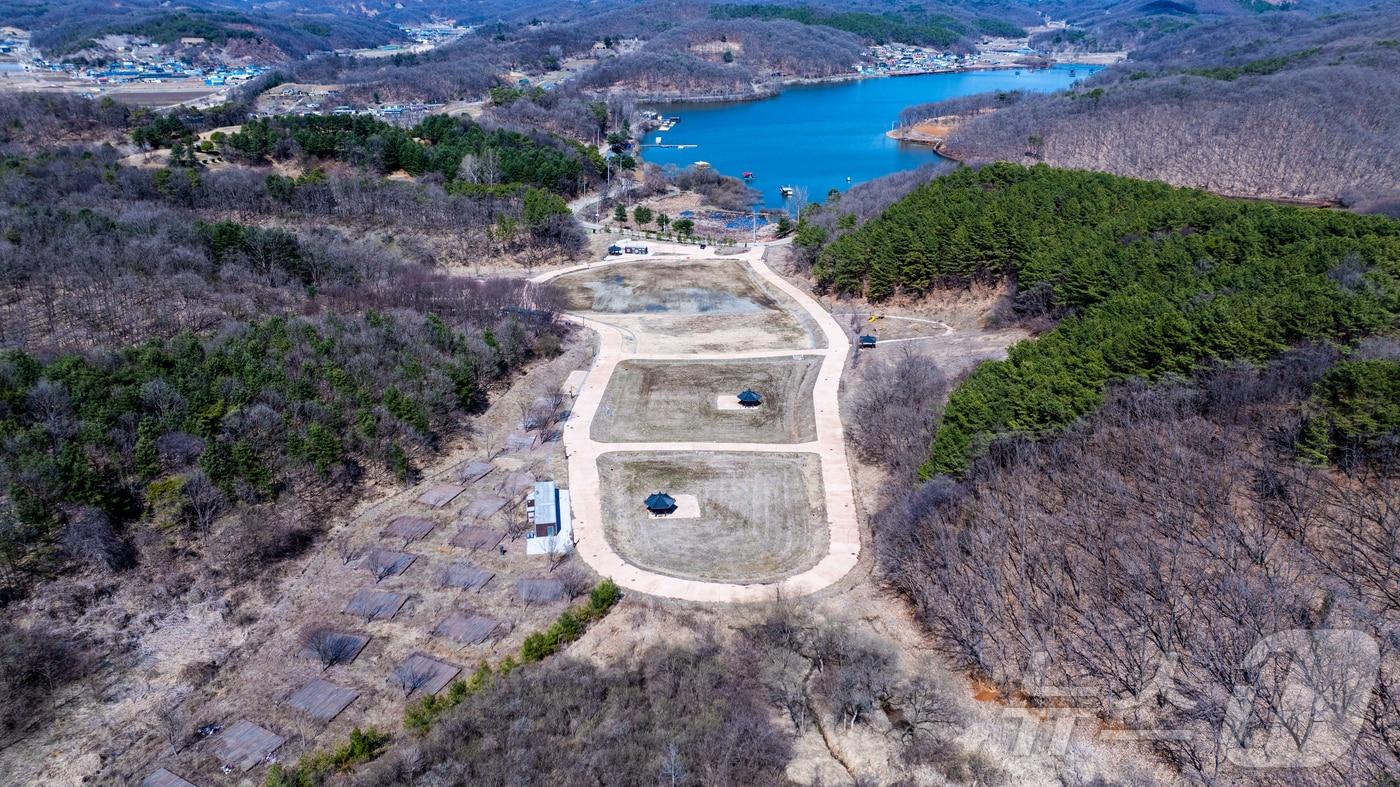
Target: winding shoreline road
[{"x": 830, "y": 446}]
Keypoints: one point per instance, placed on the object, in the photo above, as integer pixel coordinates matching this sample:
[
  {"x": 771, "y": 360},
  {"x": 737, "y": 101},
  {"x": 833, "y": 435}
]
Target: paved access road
[{"x": 830, "y": 446}]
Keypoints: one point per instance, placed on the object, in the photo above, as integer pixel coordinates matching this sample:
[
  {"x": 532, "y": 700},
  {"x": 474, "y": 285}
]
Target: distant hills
[
  {"x": 1278, "y": 105},
  {"x": 68, "y": 28}
]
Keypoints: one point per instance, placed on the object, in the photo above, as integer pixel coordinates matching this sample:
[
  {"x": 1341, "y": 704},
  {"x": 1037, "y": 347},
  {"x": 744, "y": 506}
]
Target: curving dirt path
[{"x": 830, "y": 446}]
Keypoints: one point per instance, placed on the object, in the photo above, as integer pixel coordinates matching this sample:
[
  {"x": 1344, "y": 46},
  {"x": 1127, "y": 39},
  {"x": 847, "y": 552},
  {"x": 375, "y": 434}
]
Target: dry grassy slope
[{"x": 107, "y": 728}]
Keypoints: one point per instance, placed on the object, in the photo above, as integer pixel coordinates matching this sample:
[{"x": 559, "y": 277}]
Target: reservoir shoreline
[
  {"x": 774, "y": 89},
  {"x": 801, "y": 143}
]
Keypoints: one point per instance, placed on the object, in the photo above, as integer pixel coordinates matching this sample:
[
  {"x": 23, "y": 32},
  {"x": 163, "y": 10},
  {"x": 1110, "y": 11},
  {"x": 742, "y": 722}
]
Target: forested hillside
[
  {"x": 179, "y": 430},
  {"x": 469, "y": 67},
  {"x": 201, "y": 365},
  {"x": 1200, "y": 448},
  {"x": 101, "y": 258},
  {"x": 726, "y": 57},
  {"x": 92, "y": 244},
  {"x": 64, "y": 28},
  {"x": 1144, "y": 280},
  {"x": 741, "y": 44},
  {"x": 1137, "y": 559},
  {"x": 1280, "y": 106},
  {"x": 765, "y": 47},
  {"x": 439, "y": 144},
  {"x": 687, "y": 48},
  {"x": 914, "y": 26}
]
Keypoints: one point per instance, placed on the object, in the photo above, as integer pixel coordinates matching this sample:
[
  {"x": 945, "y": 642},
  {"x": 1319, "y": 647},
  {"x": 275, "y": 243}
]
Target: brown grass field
[
  {"x": 761, "y": 515},
  {"x": 689, "y": 306},
  {"x": 649, "y": 401}
]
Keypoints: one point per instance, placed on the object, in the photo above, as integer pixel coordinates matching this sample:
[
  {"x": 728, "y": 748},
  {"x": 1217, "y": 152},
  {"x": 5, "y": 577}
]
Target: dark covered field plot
[
  {"x": 761, "y": 515},
  {"x": 648, "y": 401}
]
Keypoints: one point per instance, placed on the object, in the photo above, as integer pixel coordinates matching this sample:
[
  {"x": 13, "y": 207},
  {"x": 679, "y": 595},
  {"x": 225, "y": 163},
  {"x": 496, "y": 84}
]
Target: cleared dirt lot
[
  {"x": 761, "y": 515},
  {"x": 889, "y": 327},
  {"x": 649, "y": 401},
  {"x": 689, "y": 306}
]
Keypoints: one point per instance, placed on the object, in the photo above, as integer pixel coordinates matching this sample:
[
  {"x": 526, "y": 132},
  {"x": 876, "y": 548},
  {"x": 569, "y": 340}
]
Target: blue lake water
[{"x": 816, "y": 137}]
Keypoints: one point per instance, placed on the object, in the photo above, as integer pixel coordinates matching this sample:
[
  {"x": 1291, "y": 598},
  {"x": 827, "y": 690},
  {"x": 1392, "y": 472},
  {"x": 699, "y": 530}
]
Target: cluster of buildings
[
  {"x": 151, "y": 70},
  {"x": 423, "y": 39},
  {"x": 302, "y": 100},
  {"x": 224, "y": 76},
  {"x": 909, "y": 59},
  {"x": 404, "y": 114},
  {"x": 436, "y": 34},
  {"x": 409, "y": 113}
]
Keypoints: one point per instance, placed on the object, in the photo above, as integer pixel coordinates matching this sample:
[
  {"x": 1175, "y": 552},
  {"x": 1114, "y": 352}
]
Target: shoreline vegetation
[
  {"x": 892, "y": 98},
  {"x": 1277, "y": 122},
  {"x": 773, "y": 88},
  {"x": 933, "y": 133}
]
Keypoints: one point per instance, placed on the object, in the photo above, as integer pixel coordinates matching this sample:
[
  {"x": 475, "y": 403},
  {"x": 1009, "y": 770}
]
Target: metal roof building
[
  {"x": 543, "y": 504},
  {"x": 551, "y": 528}
]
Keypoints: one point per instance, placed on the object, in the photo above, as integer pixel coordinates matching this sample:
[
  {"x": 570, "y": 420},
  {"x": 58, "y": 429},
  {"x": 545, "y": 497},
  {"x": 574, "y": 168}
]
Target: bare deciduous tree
[
  {"x": 348, "y": 548},
  {"x": 381, "y": 564},
  {"x": 172, "y": 725},
  {"x": 574, "y": 580},
  {"x": 896, "y": 405},
  {"x": 786, "y": 675},
  {"x": 204, "y": 500},
  {"x": 672, "y": 772},
  {"x": 861, "y": 682},
  {"x": 923, "y": 706},
  {"x": 329, "y": 646},
  {"x": 88, "y": 536},
  {"x": 413, "y": 674}
]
